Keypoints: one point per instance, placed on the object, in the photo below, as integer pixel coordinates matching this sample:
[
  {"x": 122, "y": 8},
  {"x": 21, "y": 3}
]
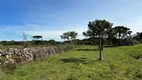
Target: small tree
[
  {"x": 36, "y": 40},
  {"x": 70, "y": 35}
]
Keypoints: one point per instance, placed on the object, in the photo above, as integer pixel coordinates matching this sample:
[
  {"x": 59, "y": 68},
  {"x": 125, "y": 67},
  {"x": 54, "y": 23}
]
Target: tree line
[{"x": 101, "y": 31}]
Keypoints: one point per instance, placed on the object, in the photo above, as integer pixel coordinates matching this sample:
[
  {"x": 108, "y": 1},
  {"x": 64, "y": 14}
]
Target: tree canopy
[
  {"x": 70, "y": 35},
  {"x": 121, "y": 32},
  {"x": 37, "y": 37},
  {"x": 97, "y": 27}
]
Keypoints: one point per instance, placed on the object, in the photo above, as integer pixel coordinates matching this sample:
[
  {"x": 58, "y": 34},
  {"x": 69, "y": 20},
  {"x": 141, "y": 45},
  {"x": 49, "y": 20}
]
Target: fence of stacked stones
[{"x": 30, "y": 54}]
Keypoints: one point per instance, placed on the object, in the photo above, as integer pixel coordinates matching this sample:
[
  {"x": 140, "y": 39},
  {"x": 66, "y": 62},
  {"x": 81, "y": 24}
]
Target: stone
[{"x": 29, "y": 54}]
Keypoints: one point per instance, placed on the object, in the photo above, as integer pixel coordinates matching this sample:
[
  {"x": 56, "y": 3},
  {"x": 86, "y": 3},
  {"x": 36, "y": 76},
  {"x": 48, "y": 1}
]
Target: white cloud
[
  {"x": 55, "y": 34},
  {"x": 31, "y": 25}
]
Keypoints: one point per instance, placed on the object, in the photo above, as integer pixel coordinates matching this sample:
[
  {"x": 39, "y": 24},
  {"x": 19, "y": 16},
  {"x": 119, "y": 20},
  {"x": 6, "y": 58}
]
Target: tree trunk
[
  {"x": 100, "y": 48},
  {"x": 102, "y": 43},
  {"x": 119, "y": 39}
]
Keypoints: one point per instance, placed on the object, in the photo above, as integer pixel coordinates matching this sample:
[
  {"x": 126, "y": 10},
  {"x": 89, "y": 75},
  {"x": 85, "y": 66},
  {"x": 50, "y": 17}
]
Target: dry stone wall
[{"x": 30, "y": 54}]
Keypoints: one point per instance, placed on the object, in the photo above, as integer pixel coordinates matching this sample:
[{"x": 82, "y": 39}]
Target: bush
[{"x": 128, "y": 42}]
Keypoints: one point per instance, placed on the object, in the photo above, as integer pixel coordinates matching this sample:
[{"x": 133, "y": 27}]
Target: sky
[{"x": 50, "y": 18}]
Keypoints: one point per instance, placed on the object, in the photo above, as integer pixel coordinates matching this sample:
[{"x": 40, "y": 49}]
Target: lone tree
[
  {"x": 70, "y": 35},
  {"x": 98, "y": 28},
  {"x": 37, "y": 37}
]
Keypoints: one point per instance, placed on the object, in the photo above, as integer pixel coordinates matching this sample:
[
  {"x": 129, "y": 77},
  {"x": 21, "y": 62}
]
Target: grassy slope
[{"x": 82, "y": 64}]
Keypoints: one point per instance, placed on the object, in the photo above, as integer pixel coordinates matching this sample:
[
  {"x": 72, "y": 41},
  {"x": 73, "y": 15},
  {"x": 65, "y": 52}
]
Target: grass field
[{"x": 119, "y": 63}]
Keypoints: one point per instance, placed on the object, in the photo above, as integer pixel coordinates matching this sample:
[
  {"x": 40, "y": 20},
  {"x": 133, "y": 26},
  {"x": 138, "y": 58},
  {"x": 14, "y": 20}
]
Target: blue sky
[{"x": 50, "y": 18}]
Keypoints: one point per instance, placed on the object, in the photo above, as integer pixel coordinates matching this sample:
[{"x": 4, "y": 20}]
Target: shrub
[{"x": 129, "y": 42}]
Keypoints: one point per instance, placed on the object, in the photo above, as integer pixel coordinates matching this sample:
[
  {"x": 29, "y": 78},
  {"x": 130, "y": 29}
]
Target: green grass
[
  {"x": 10, "y": 46},
  {"x": 119, "y": 63}
]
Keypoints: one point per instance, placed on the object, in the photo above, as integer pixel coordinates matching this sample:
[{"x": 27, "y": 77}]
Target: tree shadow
[
  {"x": 110, "y": 46},
  {"x": 87, "y": 49},
  {"x": 77, "y": 60}
]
